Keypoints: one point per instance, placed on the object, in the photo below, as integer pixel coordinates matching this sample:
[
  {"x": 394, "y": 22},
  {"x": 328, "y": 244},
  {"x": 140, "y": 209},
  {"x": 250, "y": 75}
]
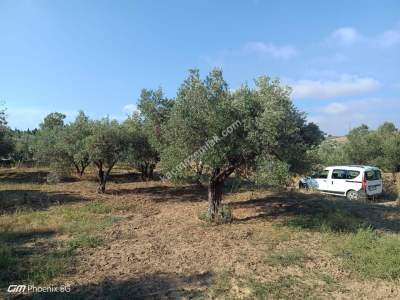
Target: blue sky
[{"x": 341, "y": 58}]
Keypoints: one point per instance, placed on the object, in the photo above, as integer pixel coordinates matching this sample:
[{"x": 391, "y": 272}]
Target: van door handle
[{"x": 332, "y": 181}]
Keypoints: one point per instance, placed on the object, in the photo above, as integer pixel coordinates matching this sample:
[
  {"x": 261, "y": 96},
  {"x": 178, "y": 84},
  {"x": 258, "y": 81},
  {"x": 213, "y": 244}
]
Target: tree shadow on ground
[
  {"x": 125, "y": 177},
  {"x": 314, "y": 208},
  {"x": 166, "y": 193},
  {"x": 151, "y": 286},
  {"x": 13, "y": 176},
  {"x": 16, "y": 200},
  {"x": 19, "y": 251}
]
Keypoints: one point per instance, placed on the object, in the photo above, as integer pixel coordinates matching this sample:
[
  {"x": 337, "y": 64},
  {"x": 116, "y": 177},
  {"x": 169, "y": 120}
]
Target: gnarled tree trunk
[
  {"x": 103, "y": 176},
  {"x": 214, "y": 196},
  {"x": 101, "y": 188},
  {"x": 216, "y": 185}
]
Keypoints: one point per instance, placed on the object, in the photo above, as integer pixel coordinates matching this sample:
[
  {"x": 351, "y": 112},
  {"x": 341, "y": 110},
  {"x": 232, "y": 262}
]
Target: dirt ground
[{"x": 160, "y": 249}]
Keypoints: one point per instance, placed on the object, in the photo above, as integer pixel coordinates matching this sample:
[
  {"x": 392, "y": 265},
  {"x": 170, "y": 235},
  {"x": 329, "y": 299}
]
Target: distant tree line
[
  {"x": 270, "y": 142},
  {"x": 364, "y": 146}
]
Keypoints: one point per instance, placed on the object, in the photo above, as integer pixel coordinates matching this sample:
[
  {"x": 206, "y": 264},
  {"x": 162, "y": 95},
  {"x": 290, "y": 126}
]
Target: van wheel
[{"x": 352, "y": 195}]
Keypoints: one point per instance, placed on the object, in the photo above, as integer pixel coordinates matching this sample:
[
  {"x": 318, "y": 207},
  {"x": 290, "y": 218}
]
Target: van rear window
[{"x": 373, "y": 175}]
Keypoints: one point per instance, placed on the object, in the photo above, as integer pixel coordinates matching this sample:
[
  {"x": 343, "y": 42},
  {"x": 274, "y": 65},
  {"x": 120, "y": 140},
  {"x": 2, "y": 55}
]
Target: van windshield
[{"x": 373, "y": 175}]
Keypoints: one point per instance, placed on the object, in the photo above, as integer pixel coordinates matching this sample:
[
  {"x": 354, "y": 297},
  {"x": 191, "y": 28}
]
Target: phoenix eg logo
[{"x": 16, "y": 288}]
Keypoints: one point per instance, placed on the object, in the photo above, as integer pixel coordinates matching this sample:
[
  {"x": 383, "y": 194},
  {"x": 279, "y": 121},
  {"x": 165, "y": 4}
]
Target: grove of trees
[
  {"x": 365, "y": 146},
  {"x": 204, "y": 135}
]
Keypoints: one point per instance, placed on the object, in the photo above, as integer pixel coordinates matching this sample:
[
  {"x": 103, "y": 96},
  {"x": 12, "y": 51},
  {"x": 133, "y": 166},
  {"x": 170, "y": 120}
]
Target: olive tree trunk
[
  {"x": 102, "y": 176},
  {"x": 214, "y": 197}
]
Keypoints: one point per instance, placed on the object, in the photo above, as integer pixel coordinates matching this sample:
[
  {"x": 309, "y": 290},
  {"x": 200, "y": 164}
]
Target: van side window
[
  {"x": 352, "y": 174},
  {"x": 323, "y": 174},
  {"x": 339, "y": 174}
]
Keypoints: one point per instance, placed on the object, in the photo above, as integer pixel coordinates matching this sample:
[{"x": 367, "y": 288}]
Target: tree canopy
[{"x": 237, "y": 130}]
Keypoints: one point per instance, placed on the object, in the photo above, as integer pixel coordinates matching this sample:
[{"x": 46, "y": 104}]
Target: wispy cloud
[
  {"x": 130, "y": 108},
  {"x": 338, "y": 117},
  {"x": 335, "y": 108},
  {"x": 255, "y": 49},
  {"x": 269, "y": 49},
  {"x": 345, "y": 35},
  {"x": 346, "y": 85},
  {"x": 350, "y": 36}
]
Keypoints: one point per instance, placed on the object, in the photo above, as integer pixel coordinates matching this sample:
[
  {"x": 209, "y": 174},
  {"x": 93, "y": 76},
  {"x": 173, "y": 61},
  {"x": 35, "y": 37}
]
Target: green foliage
[
  {"x": 362, "y": 146},
  {"x": 75, "y": 142},
  {"x": 85, "y": 240},
  {"x": 154, "y": 110},
  {"x": 49, "y": 145},
  {"x": 328, "y": 220},
  {"x": 388, "y": 137},
  {"x": 53, "y": 120},
  {"x": 24, "y": 146},
  {"x": 140, "y": 153},
  {"x": 6, "y": 143},
  {"x": 273, "y": 172},
  {"x": 97, "y": 208},
  {"x": 285, "y": 287},
  {"x": 371, "y": 254},
  {"x": 239, "y": 129},
  {"x": 331, "y": 153},
  {"x": 378, "y": 147},
  {"x": 286, "y": 258},
  {"x": 43, "y": 268},
  {"x": 106, "y": 144}
]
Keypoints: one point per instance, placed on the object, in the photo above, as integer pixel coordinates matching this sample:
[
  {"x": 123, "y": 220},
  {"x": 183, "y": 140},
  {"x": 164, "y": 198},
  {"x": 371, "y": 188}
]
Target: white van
[{"x": 349, "y": 181}]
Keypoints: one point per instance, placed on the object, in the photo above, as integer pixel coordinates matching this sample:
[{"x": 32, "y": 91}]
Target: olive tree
[
  {"x": 24, "y": 146},
  {"x": 229, "y": 131},
  {"x": 48, "y": 140},
  {"x": 74, "y": 143},
  {"x": 332, "y": 152},
  {"x": 362, "y": 146},
  {"x": 139, "y": 153},
  {"x": 154, "y": 111},
  {"x": 106, "y": 145},
  {"x": 6, "y": 144},
  {"x": 64, "y": 146},
  {"x": 388, "y": 140}
]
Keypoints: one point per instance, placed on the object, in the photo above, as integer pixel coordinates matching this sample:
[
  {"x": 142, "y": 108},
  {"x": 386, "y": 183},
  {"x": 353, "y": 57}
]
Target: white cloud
[
  {"x": 389, "y": 38},
  {"x": 344, "y": 86},
  {"x": 251, "y": 49},
  {"x": 350, "y": 36},
  {"x": 345, "y": 35},
  {"x": 269, "y": 49},
  {"x": 130, "y": 108},
  {"x": 339, "y": 118},
  {"x": 335, "y": 108}
]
